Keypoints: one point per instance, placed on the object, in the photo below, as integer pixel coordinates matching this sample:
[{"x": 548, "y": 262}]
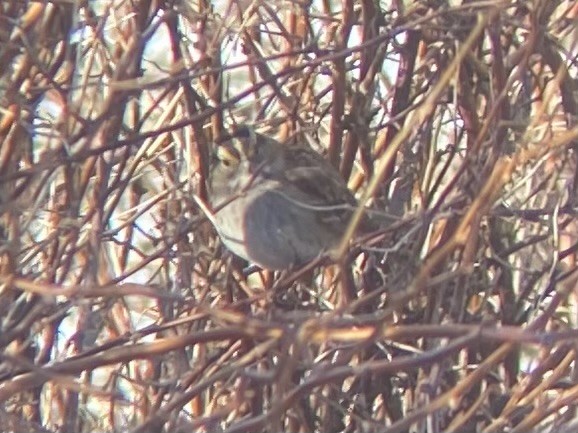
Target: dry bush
[{"x": 453, "y": 122}]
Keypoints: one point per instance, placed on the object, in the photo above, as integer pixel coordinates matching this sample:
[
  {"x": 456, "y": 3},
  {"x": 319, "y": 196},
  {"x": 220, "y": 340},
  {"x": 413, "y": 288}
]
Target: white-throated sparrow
[{"x": 276, "y": 205}]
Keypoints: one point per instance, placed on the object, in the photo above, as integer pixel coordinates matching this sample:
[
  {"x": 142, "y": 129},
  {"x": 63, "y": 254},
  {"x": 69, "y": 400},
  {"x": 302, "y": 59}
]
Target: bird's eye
[{"x": 228, "y": 156}]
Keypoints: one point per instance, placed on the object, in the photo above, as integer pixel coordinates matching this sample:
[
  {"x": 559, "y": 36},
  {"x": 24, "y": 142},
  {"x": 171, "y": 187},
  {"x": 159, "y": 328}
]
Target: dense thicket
[{"x": 454, "y": 123}]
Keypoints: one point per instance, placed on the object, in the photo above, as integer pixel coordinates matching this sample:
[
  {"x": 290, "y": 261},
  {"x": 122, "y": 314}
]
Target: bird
[{"x": 276, "y": 205}]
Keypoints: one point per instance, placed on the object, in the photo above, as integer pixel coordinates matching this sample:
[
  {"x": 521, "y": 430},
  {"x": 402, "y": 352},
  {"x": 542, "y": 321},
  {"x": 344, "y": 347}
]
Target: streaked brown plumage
[{"x": 277, "y": 205}]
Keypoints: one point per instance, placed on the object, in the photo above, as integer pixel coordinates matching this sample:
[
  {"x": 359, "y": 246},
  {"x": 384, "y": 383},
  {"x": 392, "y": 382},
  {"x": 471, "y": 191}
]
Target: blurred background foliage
[{"x": 454, "y": 122}]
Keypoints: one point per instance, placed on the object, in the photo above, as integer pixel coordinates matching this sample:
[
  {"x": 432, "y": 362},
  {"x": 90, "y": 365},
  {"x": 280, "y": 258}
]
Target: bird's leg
[{"x": 250, "y": 270}]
